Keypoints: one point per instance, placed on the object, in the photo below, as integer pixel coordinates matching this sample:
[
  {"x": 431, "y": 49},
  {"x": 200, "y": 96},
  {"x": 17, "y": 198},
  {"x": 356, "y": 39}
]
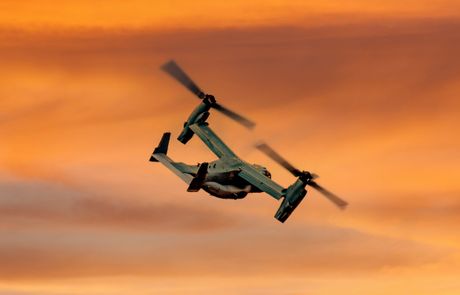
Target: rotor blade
[
  {"x": 177, "y": 73},
  {"x": 240, "y": 119},
  {"x": 330, "y": 196},
  {"x": 277, "y": 158}
]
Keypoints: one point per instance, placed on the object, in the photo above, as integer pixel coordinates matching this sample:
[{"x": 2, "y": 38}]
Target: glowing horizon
[{"x": 206, "y": 13}]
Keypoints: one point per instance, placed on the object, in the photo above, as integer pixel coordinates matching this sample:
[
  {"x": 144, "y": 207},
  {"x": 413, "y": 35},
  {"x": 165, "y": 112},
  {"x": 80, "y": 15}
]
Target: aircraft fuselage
[{"x": 222, "y": 179}]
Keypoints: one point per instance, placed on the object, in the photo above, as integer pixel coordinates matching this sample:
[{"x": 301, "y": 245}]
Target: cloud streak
[
  {"x": 49, "y": 205},
  {"x": 298, "y": 251},
  {"x": 339, "y": 64}
]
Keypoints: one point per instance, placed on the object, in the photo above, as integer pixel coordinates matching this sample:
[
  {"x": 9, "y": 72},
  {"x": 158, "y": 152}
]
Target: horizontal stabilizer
[{"x": 174, "y": 167}]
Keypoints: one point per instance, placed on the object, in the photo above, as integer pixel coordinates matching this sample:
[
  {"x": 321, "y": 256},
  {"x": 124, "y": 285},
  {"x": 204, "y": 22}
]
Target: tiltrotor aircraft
[{"x": 230, "y": 177}]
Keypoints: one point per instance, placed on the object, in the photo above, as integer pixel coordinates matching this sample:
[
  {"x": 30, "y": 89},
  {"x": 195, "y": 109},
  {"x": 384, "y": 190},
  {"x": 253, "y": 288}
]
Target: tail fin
[{"x": 162, "y": 147}]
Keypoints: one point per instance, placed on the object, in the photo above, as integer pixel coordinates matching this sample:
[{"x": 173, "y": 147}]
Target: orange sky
[
  {"x": 208, "y": 13},
  {"x": 364, "y": 94}
]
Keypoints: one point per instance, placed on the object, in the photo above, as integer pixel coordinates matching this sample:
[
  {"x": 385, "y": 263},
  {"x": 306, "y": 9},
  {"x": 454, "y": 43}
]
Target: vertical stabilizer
[{"x": 162, "y": 147}]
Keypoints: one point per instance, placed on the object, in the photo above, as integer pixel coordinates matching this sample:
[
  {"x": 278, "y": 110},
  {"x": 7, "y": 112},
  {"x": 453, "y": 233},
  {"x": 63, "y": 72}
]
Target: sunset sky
[{"x": 364, "y": 93}]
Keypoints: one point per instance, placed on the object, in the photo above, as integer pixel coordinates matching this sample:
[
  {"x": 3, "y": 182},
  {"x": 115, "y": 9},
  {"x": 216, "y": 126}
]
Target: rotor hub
[
  {"x": 209, "y": 99},
  {"x": 306, "y": 176}
]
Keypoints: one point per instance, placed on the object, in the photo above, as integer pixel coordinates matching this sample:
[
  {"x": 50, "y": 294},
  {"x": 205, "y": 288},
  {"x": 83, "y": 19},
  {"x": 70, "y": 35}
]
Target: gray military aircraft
[{"x": 230, "y": 177}]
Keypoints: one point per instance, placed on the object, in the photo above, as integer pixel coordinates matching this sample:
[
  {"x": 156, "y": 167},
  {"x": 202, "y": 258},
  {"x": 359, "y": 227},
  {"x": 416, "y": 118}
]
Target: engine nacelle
[
  {"x": 294, "y": 195},
  {"x": 199, "y": 114}
]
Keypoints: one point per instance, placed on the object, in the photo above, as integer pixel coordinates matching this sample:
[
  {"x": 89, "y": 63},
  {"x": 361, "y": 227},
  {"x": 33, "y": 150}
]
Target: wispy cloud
[
  {"x": 298, "y": 251},
  {"x": 30, "y": 204}
]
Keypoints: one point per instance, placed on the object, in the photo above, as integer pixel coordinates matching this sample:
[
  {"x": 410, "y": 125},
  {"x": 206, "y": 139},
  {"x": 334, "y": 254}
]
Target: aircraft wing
[
  {"x": 262, "y": 182},
  {"x": 174, "y": 167},
  {"x": 214, "y": 143}
]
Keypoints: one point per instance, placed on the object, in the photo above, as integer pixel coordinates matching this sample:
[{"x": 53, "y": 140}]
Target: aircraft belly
[
  {"x": 226, "y": 191},
  {"x": 222, "y": 177}
]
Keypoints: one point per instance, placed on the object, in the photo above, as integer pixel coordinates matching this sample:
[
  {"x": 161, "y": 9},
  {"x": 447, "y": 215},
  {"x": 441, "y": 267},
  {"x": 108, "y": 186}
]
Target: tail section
[{"x": 162, "y": 147}]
